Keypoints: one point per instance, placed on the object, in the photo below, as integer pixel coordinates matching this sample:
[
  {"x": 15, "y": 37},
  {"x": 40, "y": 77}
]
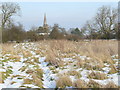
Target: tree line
[{"x": 104, "y": 25}]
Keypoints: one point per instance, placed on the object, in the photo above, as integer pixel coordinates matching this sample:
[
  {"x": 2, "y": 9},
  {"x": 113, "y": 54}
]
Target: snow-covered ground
[{"x": 14, "y": 68}]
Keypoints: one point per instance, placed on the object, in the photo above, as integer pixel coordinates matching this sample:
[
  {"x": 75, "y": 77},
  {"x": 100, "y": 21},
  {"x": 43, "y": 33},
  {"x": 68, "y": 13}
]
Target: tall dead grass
[
  {"x": 99, "y": 50},
  {"x": 63, "y": 81},
  {"x": 110, "y": 85},
  {"x": 79, "y": 84},
  {"x": 97, "y": 75}
]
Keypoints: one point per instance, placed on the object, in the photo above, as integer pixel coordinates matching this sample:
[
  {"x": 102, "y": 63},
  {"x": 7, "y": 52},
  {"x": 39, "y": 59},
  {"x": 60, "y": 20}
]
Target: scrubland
[{"x": 60, "y": 64}]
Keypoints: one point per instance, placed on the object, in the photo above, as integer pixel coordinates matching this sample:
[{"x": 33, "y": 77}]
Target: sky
[{"x": 66, "y": 14}]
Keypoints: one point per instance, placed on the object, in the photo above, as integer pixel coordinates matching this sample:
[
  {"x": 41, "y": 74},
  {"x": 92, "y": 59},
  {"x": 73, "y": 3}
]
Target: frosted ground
[{"x": 31, "y": 65}]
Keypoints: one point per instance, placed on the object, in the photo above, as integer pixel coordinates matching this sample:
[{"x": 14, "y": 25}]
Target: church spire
[{"x": 45, "y": 21}]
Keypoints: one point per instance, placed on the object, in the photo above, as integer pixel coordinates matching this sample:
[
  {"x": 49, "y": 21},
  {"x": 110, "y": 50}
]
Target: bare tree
[
  {"x": 104, "y": 22},
  {"x": 9, "y": 10}
]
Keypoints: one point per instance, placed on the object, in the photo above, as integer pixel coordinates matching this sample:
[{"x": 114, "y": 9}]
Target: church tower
[{"x": 45, "y": 26}]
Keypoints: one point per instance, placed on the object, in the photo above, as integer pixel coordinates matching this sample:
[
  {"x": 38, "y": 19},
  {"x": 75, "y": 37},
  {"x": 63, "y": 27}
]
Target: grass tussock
[
  {"x": 97, "y": 75},
  {"x": 112, "y": 70},
  {"x": 54, "y": 59},
  {"x": 93, "y": 84},
  {"x": 63, "y": 81},
  {"x": 74, "y": 73},
  {"x": 110, "y": 85},
  {"x": 81, "y": 64},
  {"x": 1, "y": 79},
  {"x": 8, "y": 48},
  {"x": 79, "y": 84},
  {"x": 36, "y": 80},
  {"x": 29, "y": 62},
  {"x": 26, "y": 54},
  {"x": 29, "y": 71},
  {"x": 36, "y": 60},
  {"x": 28, "y": 81},
  {"x": 23, "y": 68},
  {"x": 39, "y": 73}
]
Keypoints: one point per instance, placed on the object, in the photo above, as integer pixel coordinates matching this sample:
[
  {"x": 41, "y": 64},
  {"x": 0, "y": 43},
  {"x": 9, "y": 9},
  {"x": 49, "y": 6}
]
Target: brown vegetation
[
  {"x": 63, "y": 81},
  {"x": 97, "y": 75},
  {"x": 93, "y": 84},
  {"x": 110, "y": 85},
  {"x": 79, "y": 84},
  {"x": 74, "y": 73}
]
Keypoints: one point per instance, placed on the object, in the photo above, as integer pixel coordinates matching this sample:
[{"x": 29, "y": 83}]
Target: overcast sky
[{"x": 66, "y": 14}]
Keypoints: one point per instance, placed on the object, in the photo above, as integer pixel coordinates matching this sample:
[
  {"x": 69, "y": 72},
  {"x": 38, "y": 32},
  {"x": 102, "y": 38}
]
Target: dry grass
[
  {"x": 99, "y": 50},
  {"x": 111, "y": 85},
  {"x": 23, "y": 68},
  {"x": 7, "y": 48},
  {"x": 29, "y": 71},
  {"x": 37, "y": 80},
  {"x": 55, "y": 50},
  {"x": 81, "y": 63},
  {"x": 63, "y": 81},
  {"x": 97, "y": 75},
  {"x": 79, "y": 84},
  {"x": 13, "y": 82},
  {"x": 29, "y": 62},
  {"x": 36, "y": 59},
  {"x": 113, "y": 69},
  {"x": 93, "y": 84},
  {"x": 39, "y": 73},
  {"x": 28, "y": 81},
  {"x": 53, "y": 58},
  {"x": 74, "y": 73},
  {"x": 1, "y": 79}
]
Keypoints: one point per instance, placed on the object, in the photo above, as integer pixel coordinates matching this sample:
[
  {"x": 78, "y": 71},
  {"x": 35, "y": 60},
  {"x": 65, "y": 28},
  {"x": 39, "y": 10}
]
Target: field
[{"x": 60, "y": 64}]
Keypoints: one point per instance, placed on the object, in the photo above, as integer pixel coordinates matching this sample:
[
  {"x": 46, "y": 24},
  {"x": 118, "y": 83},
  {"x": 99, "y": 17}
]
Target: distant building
[
  {"x": 45, "y": 25},
  {"x": 43, "y": 30}
]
